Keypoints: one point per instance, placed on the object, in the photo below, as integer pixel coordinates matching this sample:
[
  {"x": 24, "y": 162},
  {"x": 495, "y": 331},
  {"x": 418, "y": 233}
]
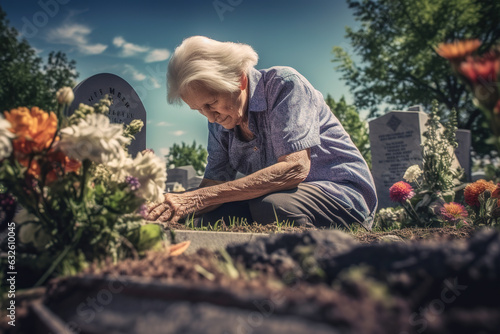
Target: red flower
[
  {"x": 473, "y": 190},
  {"x": 400, "y": 192},
  {"x": 453, "y": 212},
  {"x": 482, "y": 70}
]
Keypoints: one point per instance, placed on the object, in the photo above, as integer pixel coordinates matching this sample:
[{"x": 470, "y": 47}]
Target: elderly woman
[{"x": 272, "y": 126}]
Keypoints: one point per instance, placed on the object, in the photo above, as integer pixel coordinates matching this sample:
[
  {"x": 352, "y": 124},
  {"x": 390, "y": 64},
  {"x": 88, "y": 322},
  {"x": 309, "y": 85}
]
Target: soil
[
  {"x": 414, "y": 234},
  {"x": 442, "y": 280}
]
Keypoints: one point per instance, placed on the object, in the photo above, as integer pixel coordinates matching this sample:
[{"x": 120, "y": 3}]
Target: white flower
[
  {"x": 119, "y": 167},
  {"x": 94, "y": 138},
  {"x": 65, "y": 96},
  {"x": 5, "y": 137},
  {"x": 412, "y": 173},
  {"x": 116, "y": 163},
  {"x": 151, "y": 173}
]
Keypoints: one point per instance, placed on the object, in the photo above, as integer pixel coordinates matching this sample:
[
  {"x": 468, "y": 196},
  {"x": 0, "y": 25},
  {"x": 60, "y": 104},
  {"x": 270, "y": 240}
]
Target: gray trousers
[{"x": 305, "y": 205}]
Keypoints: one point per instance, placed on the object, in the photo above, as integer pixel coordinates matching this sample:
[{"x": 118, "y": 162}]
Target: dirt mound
[
  {"x": 314, "y": 282},
  {"x": 447, "y": 286}
]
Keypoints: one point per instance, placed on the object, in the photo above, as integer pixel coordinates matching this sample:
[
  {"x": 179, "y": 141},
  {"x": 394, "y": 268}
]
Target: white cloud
[
  {"x": 157, "y": 55},
  {"x": 72, "y": 34},
  {"x": 94, "y": 49},
  {"x": 118, "y": 41},
  {"x": 139, "y": 76},
  {"x": 128, "y": 49},
  {"x": 178, "y": 133},
  {"x": 148, "y": 81},
  {"x": 154, "y": 83},
  {"x": 76, "y": 35},
  {"x": 163, "y": 124}
]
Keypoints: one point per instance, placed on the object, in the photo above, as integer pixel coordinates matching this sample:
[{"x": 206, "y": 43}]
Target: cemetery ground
[{"x": 297, "y": 280}]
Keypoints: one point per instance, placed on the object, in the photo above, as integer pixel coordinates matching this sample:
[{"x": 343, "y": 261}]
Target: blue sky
[{"x": 134, "y": 39}]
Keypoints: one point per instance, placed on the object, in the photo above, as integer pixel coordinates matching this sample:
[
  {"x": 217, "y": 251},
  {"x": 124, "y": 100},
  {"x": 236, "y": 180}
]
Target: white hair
[{"x": 215, "y": 66}]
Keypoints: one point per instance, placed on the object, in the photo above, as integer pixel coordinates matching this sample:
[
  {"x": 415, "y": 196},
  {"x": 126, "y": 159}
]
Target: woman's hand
[{"x": 174, "y": 207}]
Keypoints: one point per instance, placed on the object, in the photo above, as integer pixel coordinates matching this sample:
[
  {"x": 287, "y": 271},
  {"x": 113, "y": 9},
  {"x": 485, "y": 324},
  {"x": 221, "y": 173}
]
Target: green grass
[
  {"x": 217, "y": 226},
  {"x": 233, "y": 222}
]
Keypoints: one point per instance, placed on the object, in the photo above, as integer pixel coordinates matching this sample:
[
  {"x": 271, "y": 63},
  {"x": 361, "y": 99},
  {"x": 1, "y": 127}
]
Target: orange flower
[
  {"x": 60, "y": 162},
  {"x": 473, "y": 190},
  {"x": 453, "y": 212},
  {"x": 34, "y": 129},
  {"x": 496, "y": 192},
  {"x": 34, "y": 169},
  {"x": 482, "y": 70},
  {"x": 457, "y": 49},
  {"x": 71, "y": 165},
  {"x": 57, "y": 161}
]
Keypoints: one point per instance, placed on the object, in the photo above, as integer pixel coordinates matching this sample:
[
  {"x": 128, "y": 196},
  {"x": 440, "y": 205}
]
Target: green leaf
[{"x": 148, "y": 237}]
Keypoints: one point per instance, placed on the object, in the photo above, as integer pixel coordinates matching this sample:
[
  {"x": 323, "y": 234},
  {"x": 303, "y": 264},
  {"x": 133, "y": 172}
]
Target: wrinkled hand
[{"x": 173, "y": 208}]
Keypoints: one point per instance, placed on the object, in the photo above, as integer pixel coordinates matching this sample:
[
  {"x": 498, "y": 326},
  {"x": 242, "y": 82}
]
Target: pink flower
[
  {"x": 453, "y": 212},
  {"x": 400, "y": 192}
]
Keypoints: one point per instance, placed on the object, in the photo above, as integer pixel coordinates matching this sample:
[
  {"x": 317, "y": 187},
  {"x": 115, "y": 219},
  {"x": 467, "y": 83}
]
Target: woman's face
[{"x": 225, "y": 109}]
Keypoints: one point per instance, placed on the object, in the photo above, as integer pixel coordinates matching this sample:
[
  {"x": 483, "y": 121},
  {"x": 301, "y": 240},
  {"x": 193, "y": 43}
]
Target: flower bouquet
[
  {"x": 436, "y": 182},
  {"x": 78, "y": 192}
]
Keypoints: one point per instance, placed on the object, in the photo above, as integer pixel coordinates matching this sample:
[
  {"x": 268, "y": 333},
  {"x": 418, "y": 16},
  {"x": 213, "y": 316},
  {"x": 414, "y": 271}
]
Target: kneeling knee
[{"x": 268, "y": 209}]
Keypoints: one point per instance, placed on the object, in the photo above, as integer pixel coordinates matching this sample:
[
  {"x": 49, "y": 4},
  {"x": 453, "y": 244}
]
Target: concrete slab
[{"x": 214, "y": 240}]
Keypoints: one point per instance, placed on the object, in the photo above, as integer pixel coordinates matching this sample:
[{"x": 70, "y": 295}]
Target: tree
[
  {"x": 59, "y": 72},
  {"x": 354, "y": 126},
  {"x": 183, "y": 155},
  {"x": 25, "y": 80},
  {"x": 396, "y": 62}
]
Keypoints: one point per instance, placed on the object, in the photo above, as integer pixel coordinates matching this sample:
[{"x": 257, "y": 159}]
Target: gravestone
[
  {"x": 395, "y": 140},
  {"x": 185, "y": 175},
  {"x": 126, "y": 105}
]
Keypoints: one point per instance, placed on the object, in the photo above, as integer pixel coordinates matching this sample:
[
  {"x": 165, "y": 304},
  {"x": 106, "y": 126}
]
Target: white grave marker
[{"x": 126, "y": 106}]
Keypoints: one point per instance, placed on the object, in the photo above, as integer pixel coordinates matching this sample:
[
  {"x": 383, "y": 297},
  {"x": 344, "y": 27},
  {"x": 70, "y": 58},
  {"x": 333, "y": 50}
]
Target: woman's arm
[
  {"x": 207, "y": 183},
  {"x": 287, "y": 173}
]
